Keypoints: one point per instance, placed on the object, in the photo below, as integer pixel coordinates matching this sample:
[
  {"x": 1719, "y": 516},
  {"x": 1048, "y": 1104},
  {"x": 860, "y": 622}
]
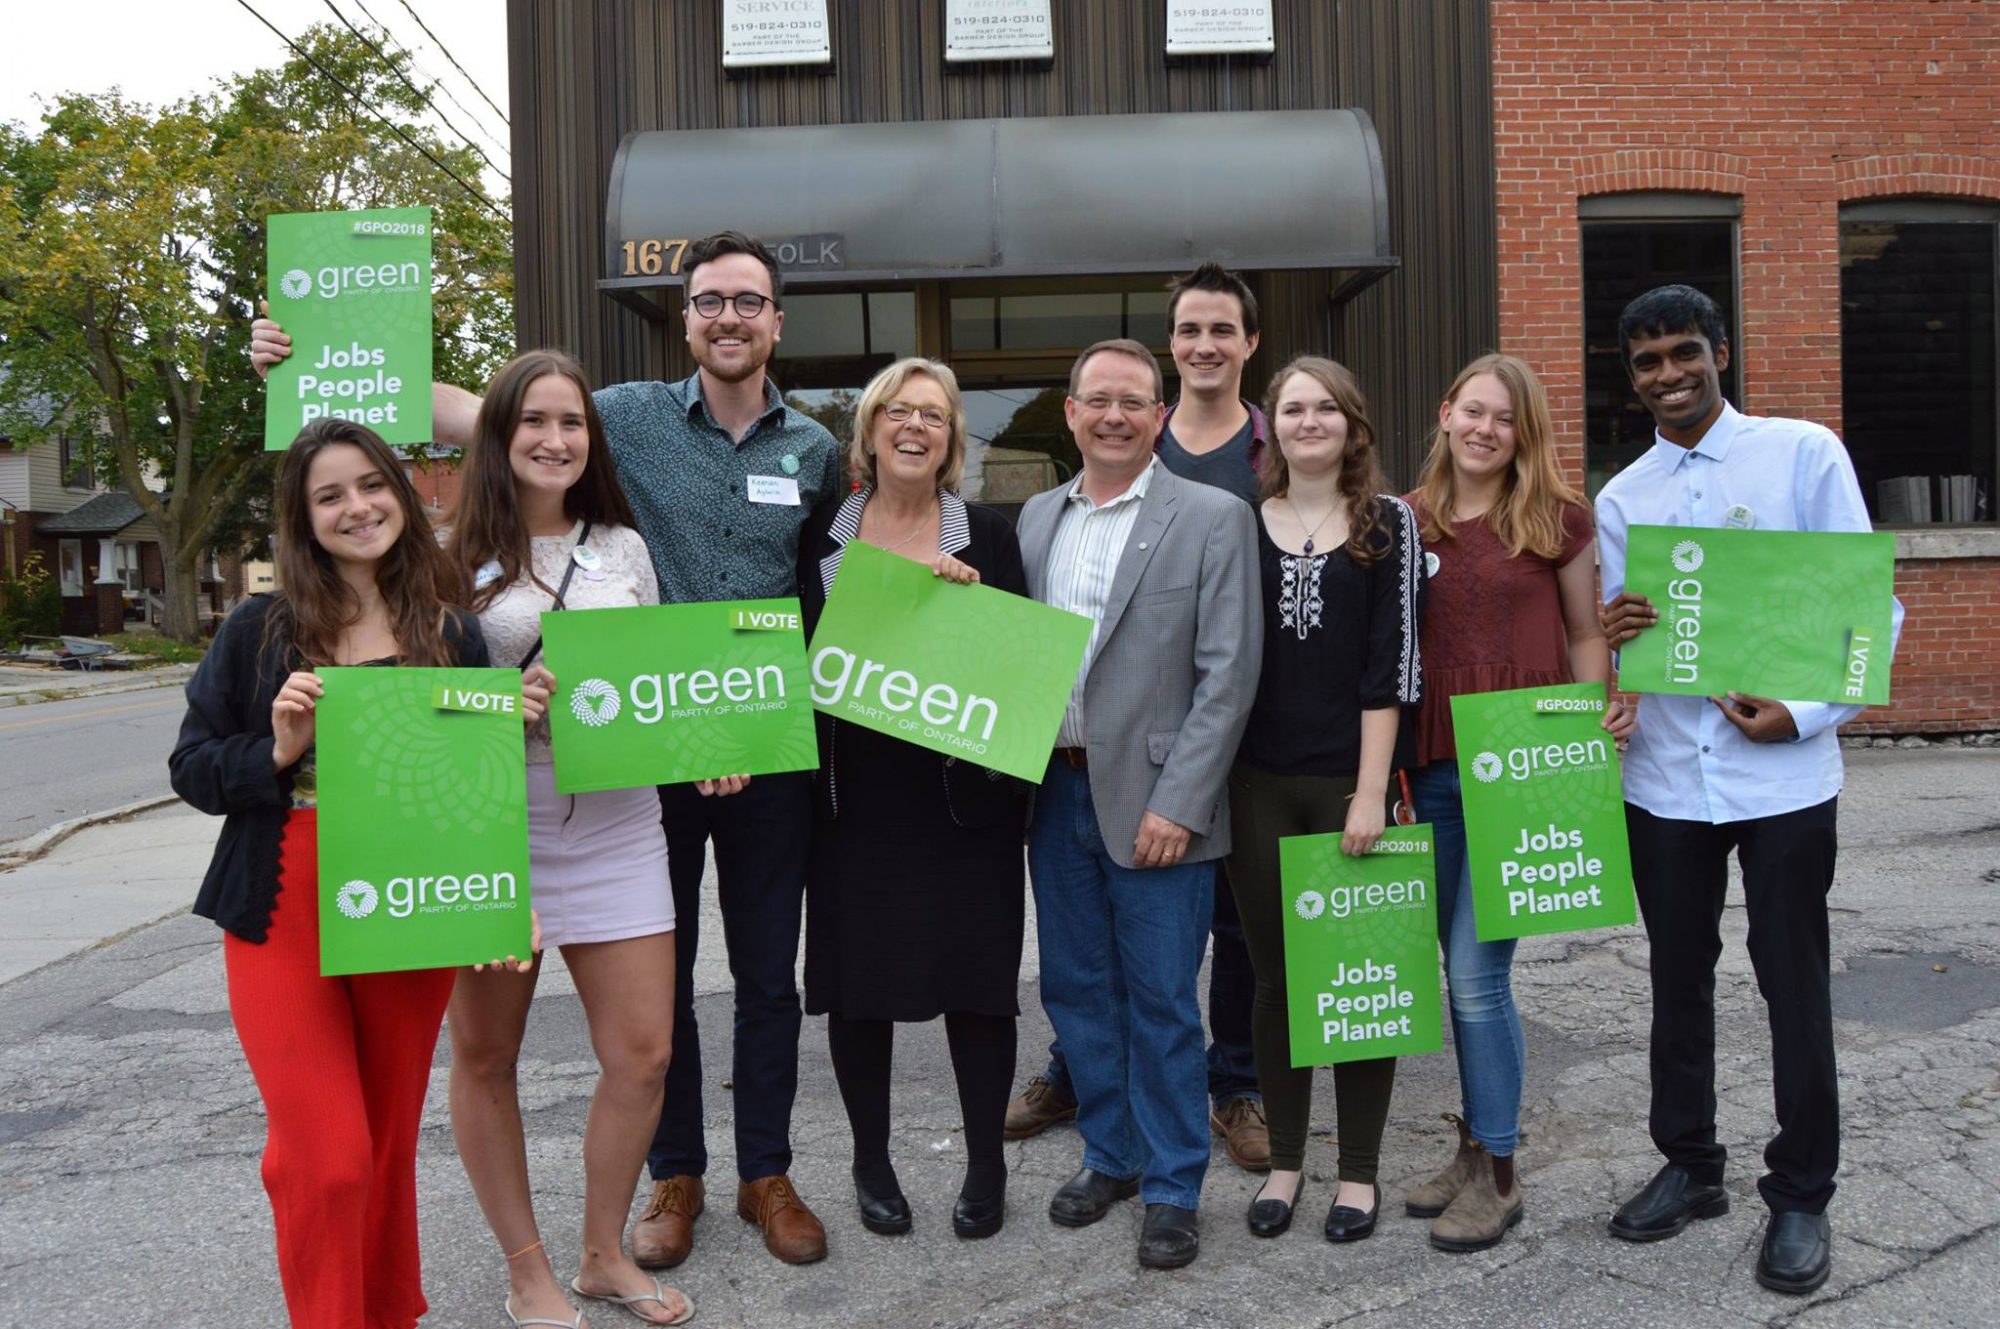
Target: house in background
[{"x": 102, "y": 549}]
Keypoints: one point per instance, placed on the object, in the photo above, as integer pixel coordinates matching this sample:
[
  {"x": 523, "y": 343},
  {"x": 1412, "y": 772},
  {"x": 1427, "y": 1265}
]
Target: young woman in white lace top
[{"x": 542, "y": 524}]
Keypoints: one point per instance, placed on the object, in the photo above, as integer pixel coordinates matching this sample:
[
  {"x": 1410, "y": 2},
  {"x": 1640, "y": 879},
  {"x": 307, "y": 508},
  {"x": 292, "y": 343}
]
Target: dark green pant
[{"x": 1263, "y": 807}]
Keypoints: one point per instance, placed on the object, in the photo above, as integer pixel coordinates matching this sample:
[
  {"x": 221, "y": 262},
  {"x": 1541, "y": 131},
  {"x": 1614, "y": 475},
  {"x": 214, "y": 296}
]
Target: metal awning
[{"x": 1060, "y": 195}]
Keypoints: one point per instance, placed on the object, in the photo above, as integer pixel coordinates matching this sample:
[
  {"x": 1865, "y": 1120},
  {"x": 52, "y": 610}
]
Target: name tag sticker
[{"x": 781, "y": 489}]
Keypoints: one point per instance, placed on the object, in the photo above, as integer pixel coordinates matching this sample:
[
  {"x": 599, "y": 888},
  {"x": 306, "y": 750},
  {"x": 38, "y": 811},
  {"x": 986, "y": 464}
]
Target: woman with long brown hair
[
  {"x": 1513, "y": 604},
  {"x": 1342, "y": 578},
  {"x": 542, "y": 524},
  {"x": 342, "y": 1063}
]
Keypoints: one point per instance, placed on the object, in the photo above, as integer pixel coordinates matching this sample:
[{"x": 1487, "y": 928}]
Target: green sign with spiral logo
[
  {"x": 967, "y": 671},
  {"x": 1544, "y": 811},
  {"x": 1361, "y": 949},
  {"x": 1795, "y": 615},
  {"x": 423, "y": 819},
  {"x": 661, "y": 694}
]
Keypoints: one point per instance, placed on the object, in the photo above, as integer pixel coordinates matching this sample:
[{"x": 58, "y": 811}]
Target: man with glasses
[{"x": 1133, "y": 812}]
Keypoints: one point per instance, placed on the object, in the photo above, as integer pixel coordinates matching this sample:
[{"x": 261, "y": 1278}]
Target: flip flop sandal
[
  {"x": 659, "y": 1294},
  {"x": 519, "y": 1323}
]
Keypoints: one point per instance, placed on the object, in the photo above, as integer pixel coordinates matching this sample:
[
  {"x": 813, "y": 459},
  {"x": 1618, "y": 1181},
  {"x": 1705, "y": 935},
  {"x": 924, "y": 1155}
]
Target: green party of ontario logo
[
  {"x": 871, "y": 689},
  {"x": 357, "y": 899},
  {"x": 296, "y": 284},
  {"x": 680, "y": 695},
  {"x": 1684, "y": 614},
  {"x": 406, "y": 896},
  {"x": 1487, "y": 766},
  {"x": 594, "y": 702}
]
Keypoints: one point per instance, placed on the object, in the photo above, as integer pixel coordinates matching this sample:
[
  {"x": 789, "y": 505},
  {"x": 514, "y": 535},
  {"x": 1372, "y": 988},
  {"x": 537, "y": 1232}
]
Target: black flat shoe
[
  {"x": 1168, "y": 1238},
  {"x": 1271, "y": 1218},
  {"x": 1671, "y": 1200},
  {"x": 973, "y": 1219},
  {"x": 1346, "y": 1223},
  {"x": 883, "y": 1212},
  {"x": 1088, "y": 1196},
  {"x": 1798, "y": 1253}
]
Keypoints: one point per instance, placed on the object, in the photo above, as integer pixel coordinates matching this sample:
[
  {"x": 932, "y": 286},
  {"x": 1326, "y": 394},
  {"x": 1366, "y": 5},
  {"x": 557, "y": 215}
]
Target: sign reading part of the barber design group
[
  {"x": 353, "y": 291},
  {"x": 1220, "y": 27},
  {"x": 775, "y": 32},
  {"x": 997, "y": 30}
]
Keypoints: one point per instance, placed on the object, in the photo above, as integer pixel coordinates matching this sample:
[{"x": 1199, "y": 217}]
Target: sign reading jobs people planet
[
  {"x": 423, "y": 819},
  {"x": 353, "y": 291},
  {"x": 1361, "y": 968},
  {"x": 968, "y": 671},
  {"x": 660, "y": 694},
  {"x": 1803, "y": 615},
  {"x": 1544, "y": 811}
]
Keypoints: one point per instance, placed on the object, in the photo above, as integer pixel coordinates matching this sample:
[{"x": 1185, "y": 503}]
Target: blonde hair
[
  {"x": 1529, "y": 516},
  {"x": 882, "y": 390}
]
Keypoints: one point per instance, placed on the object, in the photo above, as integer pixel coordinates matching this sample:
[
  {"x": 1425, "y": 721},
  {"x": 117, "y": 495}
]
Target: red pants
[{"x": 343, "y": 1065}]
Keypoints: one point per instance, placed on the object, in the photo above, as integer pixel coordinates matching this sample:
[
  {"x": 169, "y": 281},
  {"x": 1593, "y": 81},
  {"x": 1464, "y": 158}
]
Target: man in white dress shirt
[{"x": 1707, "y": 775}]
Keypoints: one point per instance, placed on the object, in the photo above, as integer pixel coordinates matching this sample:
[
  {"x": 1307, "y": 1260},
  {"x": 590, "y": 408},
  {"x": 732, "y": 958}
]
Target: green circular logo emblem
[
  {"x": 357, "y": 899},
  {"x": 594, "y": 702},
  {"x": 1486, "y": 767},
  {"x": 1687, "y": 556},
  {"x": 295, "y": 283}
]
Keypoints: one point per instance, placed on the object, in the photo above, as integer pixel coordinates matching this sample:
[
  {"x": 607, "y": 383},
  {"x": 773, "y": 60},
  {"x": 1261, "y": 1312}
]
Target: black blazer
[{"x": 221, "y": 764}]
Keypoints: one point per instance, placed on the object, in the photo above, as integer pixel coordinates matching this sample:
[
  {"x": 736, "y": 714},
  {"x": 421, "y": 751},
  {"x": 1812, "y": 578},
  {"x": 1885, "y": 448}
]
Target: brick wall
[{"x": 1795, "y": 106}]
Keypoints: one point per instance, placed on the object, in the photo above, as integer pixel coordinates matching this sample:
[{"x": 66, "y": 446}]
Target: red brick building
[{"x": 1830, "y": 173}]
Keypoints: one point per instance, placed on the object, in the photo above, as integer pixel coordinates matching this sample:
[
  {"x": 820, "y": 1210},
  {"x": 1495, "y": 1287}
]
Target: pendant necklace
[
  {"x": 921, "y": 523},
  {"x": 1302, "y": 521}
]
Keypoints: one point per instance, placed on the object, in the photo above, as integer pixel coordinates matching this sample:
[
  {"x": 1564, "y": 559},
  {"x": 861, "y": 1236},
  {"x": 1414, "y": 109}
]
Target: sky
[{"x": 159, "y": 50}]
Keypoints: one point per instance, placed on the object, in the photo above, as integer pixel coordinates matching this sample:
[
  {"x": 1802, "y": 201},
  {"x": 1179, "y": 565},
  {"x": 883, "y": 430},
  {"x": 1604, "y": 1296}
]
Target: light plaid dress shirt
[{"x": 1083, "y": 559}]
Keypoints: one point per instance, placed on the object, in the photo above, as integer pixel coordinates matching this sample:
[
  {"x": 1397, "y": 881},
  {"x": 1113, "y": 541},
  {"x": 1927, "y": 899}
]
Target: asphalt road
[{"x": 63, "y": 759}]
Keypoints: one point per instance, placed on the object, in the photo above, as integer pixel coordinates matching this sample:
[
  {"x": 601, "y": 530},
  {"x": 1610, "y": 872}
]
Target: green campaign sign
[
  {"x": 967, "y": 671},
  {"x": 1798, "y": 615},
  {"x": 423, "y": 820},
  {"x": 353, "y": 291},
  {"x": 1544, "y": 811},
  {"x": 660, "y": 694},
  {"x": 1361, "y": 947}
]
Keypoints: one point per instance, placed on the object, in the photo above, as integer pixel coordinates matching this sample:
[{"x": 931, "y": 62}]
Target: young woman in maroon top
[{"x": 1512, "y": 603}]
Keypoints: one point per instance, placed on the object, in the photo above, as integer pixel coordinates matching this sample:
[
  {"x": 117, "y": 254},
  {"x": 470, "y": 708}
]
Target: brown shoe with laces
[
  {"x": 1039, "y": 1106},
  {"x": 1240, "y": 1122},
  {"x": 791, "y": 1232},
  {"x": 664, "y": 1234}
]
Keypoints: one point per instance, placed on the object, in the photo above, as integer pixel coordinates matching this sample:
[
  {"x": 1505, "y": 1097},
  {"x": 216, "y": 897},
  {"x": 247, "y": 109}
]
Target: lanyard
[{"x": 561, "y": 590}]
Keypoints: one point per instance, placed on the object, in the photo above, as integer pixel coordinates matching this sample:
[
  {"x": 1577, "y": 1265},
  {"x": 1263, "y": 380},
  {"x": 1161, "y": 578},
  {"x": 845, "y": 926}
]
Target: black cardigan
[{"x": 221, "y": 764}]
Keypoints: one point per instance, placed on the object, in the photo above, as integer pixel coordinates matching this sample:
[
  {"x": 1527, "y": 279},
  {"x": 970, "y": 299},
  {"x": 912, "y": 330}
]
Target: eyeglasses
[
  {"x": 1097, "y": 403},
  {"x": 748, "y": 304},
  {"x": 900, "y": 411}
]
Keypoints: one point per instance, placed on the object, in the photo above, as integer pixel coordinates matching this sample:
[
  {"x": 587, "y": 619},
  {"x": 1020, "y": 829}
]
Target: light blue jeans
[{"x": 1485, "y": 1024}]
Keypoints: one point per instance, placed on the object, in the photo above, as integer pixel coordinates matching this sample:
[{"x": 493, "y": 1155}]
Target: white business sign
[
  {"x": 775, "y": 32},
  {"x": 1219, "y": 27},
  {"x": 997, "y": 30}
]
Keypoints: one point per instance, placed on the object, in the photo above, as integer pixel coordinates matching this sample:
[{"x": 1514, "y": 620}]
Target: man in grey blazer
[{"x": 1134, "y": 813}]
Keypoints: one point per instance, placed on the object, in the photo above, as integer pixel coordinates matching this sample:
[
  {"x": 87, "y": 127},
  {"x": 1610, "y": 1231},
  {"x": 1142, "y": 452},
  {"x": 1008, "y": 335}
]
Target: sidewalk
[
  {"x": 130, "y": 1130},
  {"x": 24, "y": 685}
]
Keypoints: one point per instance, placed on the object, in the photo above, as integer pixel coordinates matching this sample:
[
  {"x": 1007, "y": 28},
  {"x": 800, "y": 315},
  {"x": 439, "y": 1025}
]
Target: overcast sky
[{"x": 159, "y": 50}]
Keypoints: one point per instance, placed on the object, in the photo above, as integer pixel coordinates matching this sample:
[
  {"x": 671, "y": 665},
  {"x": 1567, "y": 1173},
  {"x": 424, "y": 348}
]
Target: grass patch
[{"x": 162, "y": 650}]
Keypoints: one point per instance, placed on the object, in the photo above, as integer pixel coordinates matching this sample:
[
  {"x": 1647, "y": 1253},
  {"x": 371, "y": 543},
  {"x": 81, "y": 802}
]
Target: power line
[
  {"x": 454, "y": 62},
  {"x": 334, "y": 79},
  {"x": 426, "y": 101},
  {"x": 442, "y": 86}
]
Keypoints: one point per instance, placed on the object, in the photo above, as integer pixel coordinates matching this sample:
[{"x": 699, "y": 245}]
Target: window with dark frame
[
  {"x": 1919, "y": 362},
  {"x": 74, "y": 462}
]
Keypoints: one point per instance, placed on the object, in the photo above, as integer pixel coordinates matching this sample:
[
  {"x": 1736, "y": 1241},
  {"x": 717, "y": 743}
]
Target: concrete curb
[
  {"x": 35, "y": 697},
  {"x": 20, "y": 852}
]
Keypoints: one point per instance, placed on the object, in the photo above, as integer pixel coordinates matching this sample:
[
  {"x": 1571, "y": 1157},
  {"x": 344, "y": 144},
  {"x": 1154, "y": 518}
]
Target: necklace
[
  {"x": 922, "y": 522},
  {"x": 1302, "y": 521}
]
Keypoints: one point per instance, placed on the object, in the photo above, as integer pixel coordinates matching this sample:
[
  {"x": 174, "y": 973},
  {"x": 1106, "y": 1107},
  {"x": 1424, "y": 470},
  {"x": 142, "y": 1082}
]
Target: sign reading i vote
[
  {"x": 353, "y": 291},
  {"x": 1803, "y": 615},
  {"x": 661, "y": 694},
  {"x": 1361, "y": 966},
  {"x": 423, "y": 819},
  {"x": 1544, "y": 811},
  {"x": 968, "y": 671}
]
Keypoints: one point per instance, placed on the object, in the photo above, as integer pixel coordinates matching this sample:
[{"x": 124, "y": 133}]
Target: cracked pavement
[{"x": 130, "y": 1132}]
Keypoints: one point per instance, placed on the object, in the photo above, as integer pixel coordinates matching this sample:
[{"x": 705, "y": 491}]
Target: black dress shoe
[
  {"x": 1798, "y": 1252},
  {"x": 973, "y": 1219},
  {"x": 1167, "y": 1239},
  {"x": 1664, "y": 1207},
  {"x": 1088, "y": 1196},
  {"x": 1346, "y": 1223},
  {"x": 884, "y": 1212},
  {"x": 1271, "y": 1218}
]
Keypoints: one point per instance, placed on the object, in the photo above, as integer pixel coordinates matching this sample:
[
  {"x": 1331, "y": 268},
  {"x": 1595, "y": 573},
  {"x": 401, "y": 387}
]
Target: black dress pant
[
  {"x": 762, "y": 841},
  {"x": 1681, "y": 871}
]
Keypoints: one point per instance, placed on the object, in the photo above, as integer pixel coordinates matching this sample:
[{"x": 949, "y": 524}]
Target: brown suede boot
[
  {"x": 1429, "y": 1200},
  {"x": 1481, "y": 1214}
]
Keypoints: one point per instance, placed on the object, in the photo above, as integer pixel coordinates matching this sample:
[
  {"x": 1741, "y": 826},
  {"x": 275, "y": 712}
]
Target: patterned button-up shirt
[{"x": 1083, "y": 559}]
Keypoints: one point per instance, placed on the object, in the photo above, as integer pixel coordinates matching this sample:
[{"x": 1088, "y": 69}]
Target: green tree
[{"x": 132, "y": 255}]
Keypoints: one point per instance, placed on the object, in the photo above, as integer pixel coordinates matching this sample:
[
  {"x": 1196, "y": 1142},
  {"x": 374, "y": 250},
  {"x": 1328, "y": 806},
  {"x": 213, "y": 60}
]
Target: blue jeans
[
  {"x": 1121, "y": 949},
  {"x": 1485, "y": 1025}
]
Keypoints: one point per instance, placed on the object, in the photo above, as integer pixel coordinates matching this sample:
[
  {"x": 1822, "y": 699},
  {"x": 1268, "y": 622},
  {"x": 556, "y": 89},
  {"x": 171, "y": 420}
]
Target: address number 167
[{"x": 649, "y": 258}]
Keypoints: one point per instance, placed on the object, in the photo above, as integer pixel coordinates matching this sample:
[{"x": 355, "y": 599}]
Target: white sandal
[
  {"x": 659, "y": 1294},
  {"x": 519, "y": 1323}
]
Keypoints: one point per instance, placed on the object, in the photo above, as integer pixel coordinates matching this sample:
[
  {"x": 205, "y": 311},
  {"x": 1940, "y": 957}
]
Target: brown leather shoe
[
  {"x": 1240, "y": 1123},
  {"x": 1038, "y": 1107},
  {"x": 791, "y": 1232},
  {"x": 664, "y": 1234}
]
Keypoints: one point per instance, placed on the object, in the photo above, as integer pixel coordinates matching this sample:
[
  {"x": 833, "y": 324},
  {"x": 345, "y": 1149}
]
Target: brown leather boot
[
  {"x": 664, "y": 1234},
  {"x": 1245, "y": 1134},
  {"x": 1429, "y": 1200},
  {"x": 1038, "y": 1107},
  {"x": 791, "y": 1232},
  {"x": 1479, "y": 1215}
]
